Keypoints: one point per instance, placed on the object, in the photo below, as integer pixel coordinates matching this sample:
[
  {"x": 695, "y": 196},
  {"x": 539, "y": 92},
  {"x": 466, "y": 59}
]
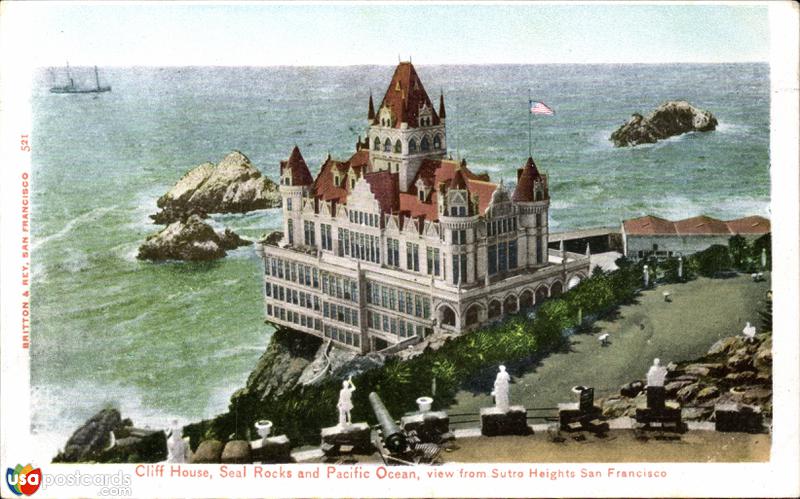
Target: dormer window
[
  {"x": 421, "y": 195},
  {"x": 352, "y": 183},
  {"x": 336, "y": 180}
]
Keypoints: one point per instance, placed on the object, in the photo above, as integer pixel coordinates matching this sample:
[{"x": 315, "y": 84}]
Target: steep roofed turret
[
  {"x": 527, "y": 178},
  {"x": 406, "y": 96},
  {"x": 442, "y": 112},
  {"x": 294, "y": 171}
]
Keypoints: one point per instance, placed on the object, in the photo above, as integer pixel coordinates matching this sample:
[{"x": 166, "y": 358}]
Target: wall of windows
[
  {"x": 412, "y": 257},
  {"x": 502, "y": 256},
  {"x": 362, "y": 218},
  {"x": 362, "y": 246},
  {"x": 300, "y": 273},
  {"x": 433, "y": 261},
  {"x": 282, "y": 314},
  {"x": 392, "y": 252},
  {"x": 460, "y": 236},
  {"x": 342, "y": 335},
  {"x": 290, "y": 229},
  {"x": 501, "y": 226},
  {"x": 398, "y": 300},
  {"x": 340, "y": 313},
  {"x": 292, "y": 296},
  {"x": 393, "y": 325},
  {"x": 340, "y": 287}
]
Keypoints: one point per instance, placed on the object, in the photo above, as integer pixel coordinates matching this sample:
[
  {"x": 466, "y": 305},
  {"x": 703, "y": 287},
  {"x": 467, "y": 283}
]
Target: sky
[{"x": 264, "y": 34}]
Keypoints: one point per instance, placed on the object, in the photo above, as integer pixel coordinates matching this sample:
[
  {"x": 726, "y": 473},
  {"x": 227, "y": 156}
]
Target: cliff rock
[
  {"x": 189, "y": 239},
  {"x": 668, "y": 119},
  {"x": 232, "y": 186}
]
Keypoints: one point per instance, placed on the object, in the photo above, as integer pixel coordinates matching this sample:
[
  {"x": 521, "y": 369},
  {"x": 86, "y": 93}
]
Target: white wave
[
  {"x": 89, "y": 216},
  {"x": 730, "y": 128}
]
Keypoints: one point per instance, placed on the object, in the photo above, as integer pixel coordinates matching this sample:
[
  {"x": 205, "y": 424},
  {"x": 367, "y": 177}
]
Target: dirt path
[{"x": 701, "y": 312}]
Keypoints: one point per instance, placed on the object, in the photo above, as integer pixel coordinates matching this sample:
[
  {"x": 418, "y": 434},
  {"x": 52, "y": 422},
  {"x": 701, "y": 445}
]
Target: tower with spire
[
  {"x": 533, "y": 203},
  {"x": 405, "y": 129}
]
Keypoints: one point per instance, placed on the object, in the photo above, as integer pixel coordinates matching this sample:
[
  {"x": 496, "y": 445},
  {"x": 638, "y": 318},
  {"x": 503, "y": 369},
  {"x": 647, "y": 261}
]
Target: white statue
[
  {"x": 501, "y": 389},
  {"x": 646, "y": 276},
  {"x": 345, "y": 404},
  {"x": 749, "y": 332},
  {"x": 177, "y": 448},
  {"x": 656, "y": 374}
]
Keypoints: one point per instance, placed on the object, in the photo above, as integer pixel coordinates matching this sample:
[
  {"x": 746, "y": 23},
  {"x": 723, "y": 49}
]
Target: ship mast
[
  {"x": 69, "y": 76},
  {"x": 96, "y": 78}
]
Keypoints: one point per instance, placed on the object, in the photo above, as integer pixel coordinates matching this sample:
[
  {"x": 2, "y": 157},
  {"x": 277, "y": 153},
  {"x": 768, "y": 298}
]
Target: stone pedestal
[
  {"x": 431, "y": 427},
  {"x": 574, "y": 417},
  {"x": 656, "y": 397},
  {"x": 350, "y": 439},
  {"x": 666, "y": 418},
  {"x": 237, "y": 452},
  {"x": 496, "y": 422},
  {"x": 738, "y": 417},
  {"x": 272, "y": 450}
]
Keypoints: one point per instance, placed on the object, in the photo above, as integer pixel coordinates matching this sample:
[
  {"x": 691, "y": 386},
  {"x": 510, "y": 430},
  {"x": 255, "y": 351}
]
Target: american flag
[{"x": 540, "y": 108}]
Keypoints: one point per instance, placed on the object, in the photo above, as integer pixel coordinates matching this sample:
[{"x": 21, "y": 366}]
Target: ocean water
[{"x": 174, "y": 340}]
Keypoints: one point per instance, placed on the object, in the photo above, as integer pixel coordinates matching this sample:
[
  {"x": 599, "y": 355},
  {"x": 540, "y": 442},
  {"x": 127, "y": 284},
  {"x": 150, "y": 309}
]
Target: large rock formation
[
  {"x": 232, "y": 186},
  {"x": 107, "y": 438},
  {"x": 189, "y": 239},
  {"x": 668, "y": 119},
  {"x": 735, "y": 370}
]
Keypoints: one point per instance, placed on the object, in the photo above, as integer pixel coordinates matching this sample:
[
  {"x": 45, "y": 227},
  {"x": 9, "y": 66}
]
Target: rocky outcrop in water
[
  {"x": 107, "y": 438},
  {"x": 668, "y": 119},
  {"x": 189, "y": 239},
  {"x": 232, "y": 186},
  {"x": 735, "y": 370}
]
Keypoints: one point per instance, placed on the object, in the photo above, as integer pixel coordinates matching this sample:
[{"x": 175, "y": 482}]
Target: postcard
[{"x": 399, "y": 249}]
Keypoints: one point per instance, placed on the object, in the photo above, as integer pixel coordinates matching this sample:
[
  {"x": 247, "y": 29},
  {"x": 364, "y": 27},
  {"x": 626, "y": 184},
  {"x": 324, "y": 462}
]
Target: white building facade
[{"x": 398, "y": 243}]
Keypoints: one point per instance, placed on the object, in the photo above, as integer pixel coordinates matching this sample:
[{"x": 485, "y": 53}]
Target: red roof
[
  {"x": 325, "y": 187},
  {"x": 749, "y": 225},
  {"x": 406, "y": 95},
  {"x": 700, "y": 225},
  {"x": 384, "y": 186},
  {"x": 297, "y": 165},
  {"x": 648, "y": 225},
  {"x": 526, "y": 176}
]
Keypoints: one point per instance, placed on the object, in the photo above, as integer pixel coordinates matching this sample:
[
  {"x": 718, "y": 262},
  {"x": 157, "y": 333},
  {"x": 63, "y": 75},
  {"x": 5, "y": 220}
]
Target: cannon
[{"x": 393, "y": 437}]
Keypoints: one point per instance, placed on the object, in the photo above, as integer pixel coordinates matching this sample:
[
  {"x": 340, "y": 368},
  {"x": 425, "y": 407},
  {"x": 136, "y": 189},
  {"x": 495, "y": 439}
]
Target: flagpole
[{"x": 530, "y": 153}]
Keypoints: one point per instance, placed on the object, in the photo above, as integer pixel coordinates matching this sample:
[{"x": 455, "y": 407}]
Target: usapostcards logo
[{"x": 23, "y": 480}]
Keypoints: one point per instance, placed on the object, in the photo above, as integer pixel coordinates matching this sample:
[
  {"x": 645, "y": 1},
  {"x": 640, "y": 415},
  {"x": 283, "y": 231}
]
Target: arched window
[
  {"x": 397, "y": 146},
  {"x": 437, "y": 142},
  {"x": 425, "y": 145},
  {"x": 387, "y": 146},
  {"x": 412, "y": 146},
  {"x": 377, "y": 145},
  {"x": 538, "y": 195}
]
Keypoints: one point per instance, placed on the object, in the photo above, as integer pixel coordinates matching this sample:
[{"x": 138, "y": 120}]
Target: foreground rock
[
  {"x": 232, "y": 186},
  {"x": 189, "y": 239},
  {"x": 734, "y": 371},
  {"x": 669, "y": 119},
  {"x": 107, "y": 438}
]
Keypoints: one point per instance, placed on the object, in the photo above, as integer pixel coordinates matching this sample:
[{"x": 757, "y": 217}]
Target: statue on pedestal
[
  {"x": 501, "y": 388},
  {"x": 345, "y": 404},
  {"x": 656, "y": 374},
  {"x": 177, "y": 448}
]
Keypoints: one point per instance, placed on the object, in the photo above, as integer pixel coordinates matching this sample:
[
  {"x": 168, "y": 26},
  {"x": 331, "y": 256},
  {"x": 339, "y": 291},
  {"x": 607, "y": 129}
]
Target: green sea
[{"x": 174, "y": 340}]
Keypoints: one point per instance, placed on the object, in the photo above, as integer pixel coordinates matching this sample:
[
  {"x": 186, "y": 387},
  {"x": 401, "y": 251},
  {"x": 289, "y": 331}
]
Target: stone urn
[
  {"x": 264, "y": 427},
  {"x": 424, "y": 404},
  {"x": 578, "y": 389}
]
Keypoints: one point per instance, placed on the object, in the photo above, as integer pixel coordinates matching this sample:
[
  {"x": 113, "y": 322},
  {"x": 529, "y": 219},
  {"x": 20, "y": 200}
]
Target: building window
[
  {"x": 538, "y": 220},
  {"x": 460, "y": 236},
  {"x": 289, "y": 204},
  {"x": 325, "y": 235},
  {"x": 512, "y": 254},
  {"x": 425, "y": 145},
  {"x": 433, "y": 261},
  {"x": 308, "y": 233},
  {"x": 412, "y": 257},
  {"x": 397, "y": 147},
  {"x": 412, "y": 146},
  {"x": 290, "y": 230},
  {"x": 393, "y": 252},
  {"x": 539, "y": 254},
  {"x": 492, "y": 259},
  {"x": 387, "y": 145},
  {"x": 502, "y": 255},
  {"x": 459, "y": 268},
  {"x": 437, "y": 142},
  {"x": 377, "y": 144}
]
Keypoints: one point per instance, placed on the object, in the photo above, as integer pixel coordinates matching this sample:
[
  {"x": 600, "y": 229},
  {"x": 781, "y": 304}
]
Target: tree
[{"x": 739, "y": 251}]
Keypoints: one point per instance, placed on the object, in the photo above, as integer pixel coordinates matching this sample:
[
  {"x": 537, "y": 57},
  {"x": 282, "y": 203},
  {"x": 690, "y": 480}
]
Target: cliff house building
[{"x": 400, "y": 242}]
